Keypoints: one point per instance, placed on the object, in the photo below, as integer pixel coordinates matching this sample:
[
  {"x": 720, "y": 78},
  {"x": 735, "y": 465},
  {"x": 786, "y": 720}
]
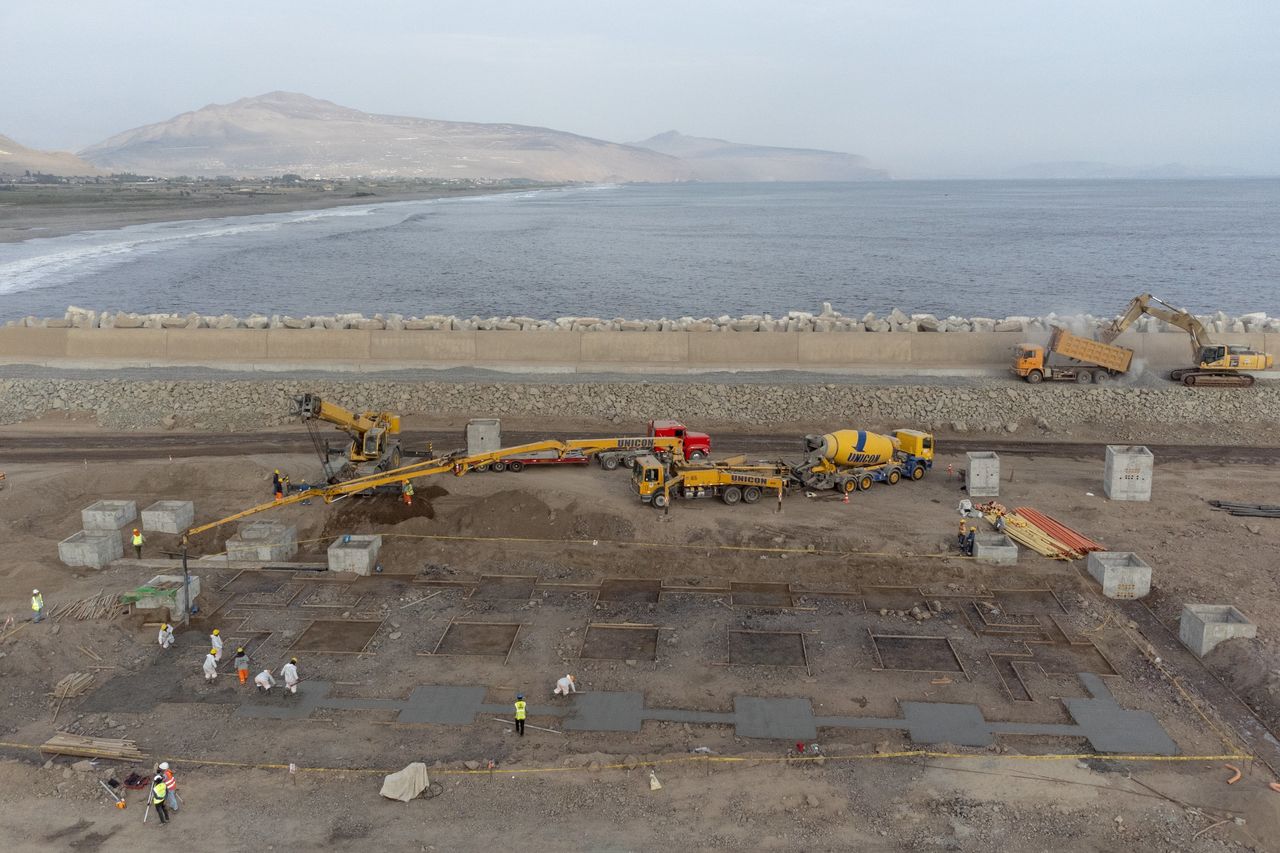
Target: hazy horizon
[{"x": 920, "y": 90}]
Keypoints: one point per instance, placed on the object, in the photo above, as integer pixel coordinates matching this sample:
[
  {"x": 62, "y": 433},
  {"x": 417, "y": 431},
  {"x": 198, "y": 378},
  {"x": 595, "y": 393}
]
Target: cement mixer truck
[{"x": 851, "y": 460}]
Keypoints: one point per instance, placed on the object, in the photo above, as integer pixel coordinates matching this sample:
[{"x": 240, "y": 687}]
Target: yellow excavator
[
  {"x": 374, "y": 438},
  {"x": 1215, "y": 364}
]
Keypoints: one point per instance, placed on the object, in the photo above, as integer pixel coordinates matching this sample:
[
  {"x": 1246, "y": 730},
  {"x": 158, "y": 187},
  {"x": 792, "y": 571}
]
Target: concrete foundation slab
[
  {"x": 483, "y": 435},
  {"x": 447, "y": 705},
  {"x": 355, "y": 553},
  {"x": 788, "y": 719},
  {"x": 1123, "y": 574},
  {"x": 108, "y": 515},
  {"x": 168, "y": 516},
  {"x": 943, "y": 722},
  {"x": 982, "y": 472},
  {"x": 94, "y": 548},
  {"x": 607, "y": 712},
  {"x": 1126, "y": 476},
  {"x": 1203, "y": 626},
  {"x": 263, "y": 540},
  {"x": 171, "y": 593},
  {"x": 995, "y": 548}
]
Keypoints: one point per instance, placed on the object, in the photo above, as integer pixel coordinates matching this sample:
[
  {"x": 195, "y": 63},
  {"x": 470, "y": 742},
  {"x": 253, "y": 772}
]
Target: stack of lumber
[
  {"x": 1078, "y": 542},
  {"x": 116, "y": 749},
  {"x": 1027, "y": 534},
  {"x": 1247, "y": 510},
  {"x": 73, "y": 685},
  {"x": 104, "y": 605}
]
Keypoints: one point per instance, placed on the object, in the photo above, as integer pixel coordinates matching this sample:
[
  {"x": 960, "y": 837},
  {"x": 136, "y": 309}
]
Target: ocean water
[{"x": 971, "y": 248}]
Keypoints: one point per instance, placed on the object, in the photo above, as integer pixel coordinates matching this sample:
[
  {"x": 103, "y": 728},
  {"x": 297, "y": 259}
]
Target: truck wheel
[
  {"x": 660, "y": 500},
  {"x": 750, "y": 494},
  {"x": 1035, "y": 377},
  {"x": 894, "y": 476},
  {"x": 917, "y": 473},
  {"x": 1101, "y": 376},
  {"x": 515, "y": 466},
  {"x": 396, "y": 457},
  {"x": 695, "y": 455},
  {"x": 498, "y": 466},
  {"x": 482, "y": 468},
  {"x": 849, "y": 486},
  {"x": 731, "y": 495},
  {"x": 609, "y": 463},
  {"x": 1084, "y": 377},
  {"x": 864, "y": 482}
]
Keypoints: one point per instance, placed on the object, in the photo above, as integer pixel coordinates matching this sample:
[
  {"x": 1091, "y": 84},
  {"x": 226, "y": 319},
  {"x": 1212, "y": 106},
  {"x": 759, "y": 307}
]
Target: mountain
[
  {"x": 720, "y": 160},
  {"x": 18, "y": 159},
  {"x": 283, "y": 132},
  {"x": 1089, "y": 170}
]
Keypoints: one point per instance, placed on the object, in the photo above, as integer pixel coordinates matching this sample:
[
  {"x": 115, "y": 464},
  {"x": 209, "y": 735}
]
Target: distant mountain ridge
[
  {"x": 724, "y": 161},
  {"x": 16, "y": 160}
]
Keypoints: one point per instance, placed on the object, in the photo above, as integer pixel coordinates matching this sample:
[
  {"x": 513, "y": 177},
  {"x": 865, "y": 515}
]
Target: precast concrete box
[
  {"x": 171, "y": 592},
  {"x": 108, "y": 515},
  {"x": 1127, "y": 473},
  {"x": 354, "y": 553},
  {"x": 1123, "y": 574},
  {"x": 983, "y": 474},
  {"x": 94, "y": 548},
  {"x": 483, "y": 435},
  {"x": 995, "y": 548},
  {"x": 263, "y": 541},
  {"x": 169, "y": 516},
  {"x": 1203, "y": 626}
]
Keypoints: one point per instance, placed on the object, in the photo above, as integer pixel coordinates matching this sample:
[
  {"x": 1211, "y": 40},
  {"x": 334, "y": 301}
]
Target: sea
[{"x": 968, "y": 248}]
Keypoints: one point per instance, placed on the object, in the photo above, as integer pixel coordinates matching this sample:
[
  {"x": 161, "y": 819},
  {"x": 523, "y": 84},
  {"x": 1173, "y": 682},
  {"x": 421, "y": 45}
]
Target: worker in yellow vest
[
  {"x": 520, "y": 714},
  {"x": 137, "y": 542},
  {"x": 37, "y": 605},
  {"x": 159, "y": 793}
]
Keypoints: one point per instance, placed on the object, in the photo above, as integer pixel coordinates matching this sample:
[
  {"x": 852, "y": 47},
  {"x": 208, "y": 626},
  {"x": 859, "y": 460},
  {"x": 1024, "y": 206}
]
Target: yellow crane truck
[
  {"x": 374, "y": 438},
  {"x": 1088, "y": 360},
  {"x": 658, "y": 482}
]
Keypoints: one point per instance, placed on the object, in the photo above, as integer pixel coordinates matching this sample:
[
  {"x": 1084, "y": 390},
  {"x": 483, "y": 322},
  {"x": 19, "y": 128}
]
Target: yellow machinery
[
  {"x": 1215, "y": 364},
  {"x": 1090, "y": 360},
  {"x": 852, "y": 459},
  {"x": 374, "y": 444},
  {"x": 658, "y": 483},
  {"x": 458, "y": 464}
]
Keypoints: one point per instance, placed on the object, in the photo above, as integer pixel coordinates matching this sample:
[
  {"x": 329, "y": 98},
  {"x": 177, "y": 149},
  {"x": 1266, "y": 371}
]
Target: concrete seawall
[{"x": 562, "y": 351}]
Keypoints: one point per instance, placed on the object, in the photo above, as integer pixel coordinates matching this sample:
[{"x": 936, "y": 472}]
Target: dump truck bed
[{"x": 1113, "y": 358}]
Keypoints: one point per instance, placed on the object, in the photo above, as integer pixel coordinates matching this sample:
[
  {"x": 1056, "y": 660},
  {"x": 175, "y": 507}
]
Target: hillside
[
  {"x": 720, "y": 160},
  {"x": 283, "y": 132},
  {"x": 18, "y": 159}
]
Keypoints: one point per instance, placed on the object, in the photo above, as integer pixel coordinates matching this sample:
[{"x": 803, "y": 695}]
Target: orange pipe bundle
[{"x": 1073, "y": 540}]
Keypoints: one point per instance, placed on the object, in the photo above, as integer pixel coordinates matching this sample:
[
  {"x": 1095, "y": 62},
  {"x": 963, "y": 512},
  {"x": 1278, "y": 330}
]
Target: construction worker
[
  {"x": 160, "y": 793},
  {"x": 137, "y": 543},
  {"x": 960, "y": 534},
  {"x": 967, "y": 548},
  {"x": 210, "y": 666},
  {"x": 171, "y": 786},
  {"x": 242, "y": 665},
  {"x": 166, "y": 635},
  {"x": 1000, "y": 523},
  {"x": 565, "y": 686},
  {"x": 264, "y": 681},
  {"x": 408, "y": 493},
  {"x": 215, "y": 640},
  {"x": 37, "y": 605},
  {"x": 289, "y": 672},
  {"x": 520, "y": 714}
]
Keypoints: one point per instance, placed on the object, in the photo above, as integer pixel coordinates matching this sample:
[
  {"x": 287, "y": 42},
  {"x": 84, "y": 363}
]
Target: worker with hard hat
[
  {"x": 241, "y": 661},
  {"x": 171, "y": 787},
  {"x": 565, "y": 686},
  {"x": 137, "y": 543},
  {"x": 37, "y": 605},
  {"x": 289, "y": 672},
  {"x": 521, "y": 710},
  {"x": 210, "y": 665},
  {"x": 960, "y": 534},
  {"x": 215, "y": 640},
  {"x": 407, "y": 488},
  {"x": 264, "y": 681},
  {"x": 160, "y": 793},
  {"x": 277, "y": 487},
  {"x": 166, "y": 635}
]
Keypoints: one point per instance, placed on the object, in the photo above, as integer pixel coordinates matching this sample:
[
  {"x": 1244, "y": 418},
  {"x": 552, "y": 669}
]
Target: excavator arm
[{"x": 1161, "y": 310}]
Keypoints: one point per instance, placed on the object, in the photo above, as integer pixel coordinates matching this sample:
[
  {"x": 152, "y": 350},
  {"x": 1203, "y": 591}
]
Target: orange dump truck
[{"x": 1081, "y": 360}]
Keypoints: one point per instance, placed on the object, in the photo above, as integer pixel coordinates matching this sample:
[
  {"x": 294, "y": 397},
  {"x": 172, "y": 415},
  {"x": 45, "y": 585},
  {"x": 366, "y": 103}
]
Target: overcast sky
[{"x": 922, "y": 88}]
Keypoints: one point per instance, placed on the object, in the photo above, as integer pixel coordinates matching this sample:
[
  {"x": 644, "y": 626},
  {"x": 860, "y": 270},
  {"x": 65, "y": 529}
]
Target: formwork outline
[
  {"x": 359, "y": 598},
  {"x": 786, "y": 589},
  {"x": 476, "y": 586},
  {"x": 600, "y": 588},
  {"x": 995, "y": 593},
  {"x": 240, "y": 572},
  {"x": 728, "y": 649},
  {"x": 622, "y": 626},
  {"x": 241, "y": 642},
  {"x": 866, "y": 608},
  {"x": 1114, "y": 673},
  {"x": 454, "y": 621},
  {"x": 269, "y": 606},
  {"x": 950, "y": 647},
  {"x": 363, "y": 649},
  {"x": 1013, "y": 659}
]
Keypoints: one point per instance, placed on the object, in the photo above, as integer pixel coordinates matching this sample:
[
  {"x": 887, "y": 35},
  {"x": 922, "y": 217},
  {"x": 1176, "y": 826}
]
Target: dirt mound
[{"x": 372, "y": 514}]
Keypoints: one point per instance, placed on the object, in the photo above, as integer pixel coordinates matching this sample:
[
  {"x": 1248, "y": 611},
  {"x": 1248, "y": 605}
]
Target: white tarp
[{"x": 405, "y": 784}]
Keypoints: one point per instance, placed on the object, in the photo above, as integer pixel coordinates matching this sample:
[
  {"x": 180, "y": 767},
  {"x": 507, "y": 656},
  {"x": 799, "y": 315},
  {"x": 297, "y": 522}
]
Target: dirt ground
[{"x": 556, "y": 551}]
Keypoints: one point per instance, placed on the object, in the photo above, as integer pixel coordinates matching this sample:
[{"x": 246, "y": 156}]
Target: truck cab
[
  {"x": 697, "y": 445},
  {"x": 648, "y": 476},
  {"x": 915, "y": 445},
  {"x": 1028, "y": 359}
]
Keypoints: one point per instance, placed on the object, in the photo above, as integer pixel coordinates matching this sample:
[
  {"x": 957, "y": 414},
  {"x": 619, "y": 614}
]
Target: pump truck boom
[
  {"x": 374, "y": 443},
  {"x": 850, "y": 460}
]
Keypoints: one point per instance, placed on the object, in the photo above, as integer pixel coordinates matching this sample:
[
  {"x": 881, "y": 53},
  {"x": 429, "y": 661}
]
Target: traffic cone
[{"x": 846, "y": 498}]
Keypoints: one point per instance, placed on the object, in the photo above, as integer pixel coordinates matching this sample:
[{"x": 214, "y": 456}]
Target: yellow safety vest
[
  {"x": 520, "y": 710},
  {"x": 158, "y": 791},
  {"x": 137, "y": 539},
  {"x": 37, "y": 602}
]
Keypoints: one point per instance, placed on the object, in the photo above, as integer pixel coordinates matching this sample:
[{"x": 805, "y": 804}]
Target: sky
[{"x": 924, "y": 89}]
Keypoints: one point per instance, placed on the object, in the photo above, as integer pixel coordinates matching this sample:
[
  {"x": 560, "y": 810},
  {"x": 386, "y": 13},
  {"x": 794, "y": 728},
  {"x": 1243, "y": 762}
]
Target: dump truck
[
  {"x": 851, "y": 460},
  {"x": 1087, "y": 360},
  {"x": 658, "y": 482}
]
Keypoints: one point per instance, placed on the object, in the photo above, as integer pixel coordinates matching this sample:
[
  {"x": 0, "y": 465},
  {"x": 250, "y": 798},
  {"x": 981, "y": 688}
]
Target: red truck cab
[{"x": 697, "y": 445}]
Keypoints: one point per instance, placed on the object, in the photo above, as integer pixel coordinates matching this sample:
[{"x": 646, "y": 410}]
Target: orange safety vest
[{"x": 169, "y": 781}]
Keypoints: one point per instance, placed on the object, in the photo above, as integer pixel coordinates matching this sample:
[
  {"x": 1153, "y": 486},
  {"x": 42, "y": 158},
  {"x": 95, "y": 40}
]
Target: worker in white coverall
[
  {"x": 215, "y": 640},
  {"x": 265, "y": 681},
  {"x": 289, "y": 672},
  {"x": 166, "y": 636},
  {"x": 210, "y": 666},
  {"x": 565, "y": 686}
]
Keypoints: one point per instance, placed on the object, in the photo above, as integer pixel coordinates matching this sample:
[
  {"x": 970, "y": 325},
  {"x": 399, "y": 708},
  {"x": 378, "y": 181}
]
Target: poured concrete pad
[
  {"x": 169, "y": 516},
  {"x": 1203, "y": 626},
  {"x": 995, "y": 548},
  {"x": 982, "y": 474},
  {"x": 1126, "y": 474},
  {"x": 789, "y": 719},
  {"x": 942, "y": 722},
  {"x": 108, "y": 515},
  {"x": 94, "y": 548},
  {"x": 1122, "y": 574},
  {"x": 358, "y": 554},
  {"x": 607, "y": 712},
  {"x": 266, "y": 541}
]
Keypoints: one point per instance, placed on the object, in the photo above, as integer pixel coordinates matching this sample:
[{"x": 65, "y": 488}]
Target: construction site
[{"x": 819, "y": 634}]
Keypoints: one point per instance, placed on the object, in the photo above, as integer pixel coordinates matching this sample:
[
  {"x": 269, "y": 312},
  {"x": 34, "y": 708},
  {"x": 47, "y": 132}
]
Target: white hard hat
[
  {"x": 35, "y": 592},
  {"x": 164, "y": 765}
]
